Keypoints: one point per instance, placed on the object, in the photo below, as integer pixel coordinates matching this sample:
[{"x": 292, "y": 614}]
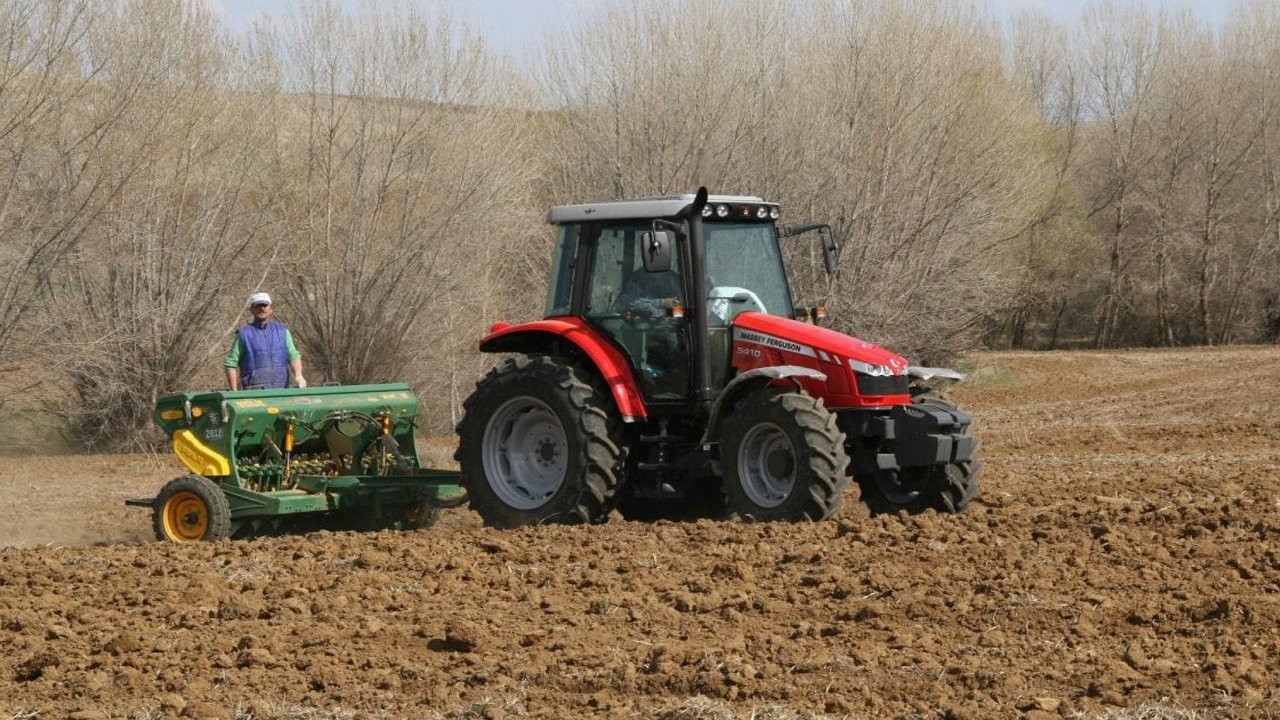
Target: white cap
[{"x": 260, "y": 298}]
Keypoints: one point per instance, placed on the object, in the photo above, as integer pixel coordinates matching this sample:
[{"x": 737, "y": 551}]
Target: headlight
[{"x": 869, "y": 369}]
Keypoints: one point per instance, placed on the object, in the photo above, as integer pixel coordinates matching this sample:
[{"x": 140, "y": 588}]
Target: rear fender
[
  {"x": 750, "y": 381},
  {"x": 549, "y": 336}
]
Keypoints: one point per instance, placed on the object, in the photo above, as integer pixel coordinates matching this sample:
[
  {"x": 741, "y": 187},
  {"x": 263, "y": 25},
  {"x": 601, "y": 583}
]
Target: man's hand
[{"x": 302, "y": 382}]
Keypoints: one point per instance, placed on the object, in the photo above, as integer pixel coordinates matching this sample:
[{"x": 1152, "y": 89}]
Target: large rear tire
[
  {"x": 783, "y": 458},
  {"x": 189, "y": 509},
  {"x": 539, "y": 443}
]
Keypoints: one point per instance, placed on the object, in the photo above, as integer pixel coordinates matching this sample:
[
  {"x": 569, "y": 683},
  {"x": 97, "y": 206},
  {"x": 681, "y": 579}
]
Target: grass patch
[
  {"x": 30, "y": 430},
  {"x": 980, "y": 374}
]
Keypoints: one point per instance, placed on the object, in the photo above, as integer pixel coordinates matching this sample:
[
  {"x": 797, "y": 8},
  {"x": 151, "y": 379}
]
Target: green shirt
[{"x": 237, "y": 348}]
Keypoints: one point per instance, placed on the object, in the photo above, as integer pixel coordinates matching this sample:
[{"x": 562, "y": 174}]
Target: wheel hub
[
  {"x": 525, "y": 453},
  {"x": 780, "y": 463},
  {"x": 767, "y": 465},
  {"x": 547, "y": 451}
]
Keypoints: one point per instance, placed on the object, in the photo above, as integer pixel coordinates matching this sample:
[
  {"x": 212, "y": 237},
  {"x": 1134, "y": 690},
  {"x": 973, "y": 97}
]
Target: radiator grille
[{"x": 882, "y": 384}]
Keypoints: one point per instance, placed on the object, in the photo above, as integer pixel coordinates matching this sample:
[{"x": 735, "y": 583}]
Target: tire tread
[
  {"x": 594, "y": 424},
  {"x": 823, "y": 450},
  {"x": 208, "y": 491}
]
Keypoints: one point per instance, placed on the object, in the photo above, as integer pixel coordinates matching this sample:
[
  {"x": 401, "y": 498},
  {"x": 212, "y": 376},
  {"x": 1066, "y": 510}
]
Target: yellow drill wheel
[{"x": 189, "y": 509}]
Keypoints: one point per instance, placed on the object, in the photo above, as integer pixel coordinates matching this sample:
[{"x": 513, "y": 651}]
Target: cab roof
[{"x": 638, "y": 208}]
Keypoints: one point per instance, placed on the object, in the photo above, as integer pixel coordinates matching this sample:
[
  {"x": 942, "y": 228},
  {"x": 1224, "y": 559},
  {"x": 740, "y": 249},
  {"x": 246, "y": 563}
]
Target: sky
[
  {"x": 513, "y": 26},
  {"x": 508, "y": 26}
]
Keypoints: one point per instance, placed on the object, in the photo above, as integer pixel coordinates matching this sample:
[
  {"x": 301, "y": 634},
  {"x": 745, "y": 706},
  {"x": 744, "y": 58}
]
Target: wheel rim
[
  {"x": 186, "y": 517},
  {"x": 767, "y": 465},
  {"x": 902, "y": 487},
  {"x": 525, "y": 453}
]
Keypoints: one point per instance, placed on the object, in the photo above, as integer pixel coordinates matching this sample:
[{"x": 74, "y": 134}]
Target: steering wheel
[
  {"x": 721, "y": 299},
  {"x": 646, "y": 313}
]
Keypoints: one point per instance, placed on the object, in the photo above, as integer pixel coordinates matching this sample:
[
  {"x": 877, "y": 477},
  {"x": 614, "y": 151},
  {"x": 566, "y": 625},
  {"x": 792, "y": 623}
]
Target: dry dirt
[{"x": 1124, "y": 555}]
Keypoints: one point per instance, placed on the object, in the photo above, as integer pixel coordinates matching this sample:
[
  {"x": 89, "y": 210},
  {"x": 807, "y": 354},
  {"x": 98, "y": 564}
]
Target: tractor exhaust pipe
[{"x": 695, "y": 251}]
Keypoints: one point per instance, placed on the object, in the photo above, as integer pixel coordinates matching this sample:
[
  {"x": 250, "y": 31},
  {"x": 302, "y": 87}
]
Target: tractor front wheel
[
  {"x": 191, "y": 508},
  {"x": 539, "y": 443},
  {"x": 783, "y": 458},
  {"x": 948, "y": 488}
]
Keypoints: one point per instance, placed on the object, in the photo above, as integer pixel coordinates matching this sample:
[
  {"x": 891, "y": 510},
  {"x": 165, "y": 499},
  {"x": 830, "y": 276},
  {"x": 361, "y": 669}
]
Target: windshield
[{"x": 744, "y": 271}]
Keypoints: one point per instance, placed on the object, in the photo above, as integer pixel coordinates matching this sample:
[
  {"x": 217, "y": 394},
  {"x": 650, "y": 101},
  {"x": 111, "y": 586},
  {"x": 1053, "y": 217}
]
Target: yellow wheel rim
[{"x": 185, "y": 517}]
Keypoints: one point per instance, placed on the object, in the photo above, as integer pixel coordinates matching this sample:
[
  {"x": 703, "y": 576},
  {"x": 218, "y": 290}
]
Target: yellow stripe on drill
[{"x": 198, "y": 457}]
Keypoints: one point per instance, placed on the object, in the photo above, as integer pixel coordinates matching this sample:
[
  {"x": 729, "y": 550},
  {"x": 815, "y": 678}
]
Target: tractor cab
[{"x": 600, "y": 274}]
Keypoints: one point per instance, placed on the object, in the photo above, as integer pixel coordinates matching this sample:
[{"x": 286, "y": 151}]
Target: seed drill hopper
[{"x": 276, "y": 461}]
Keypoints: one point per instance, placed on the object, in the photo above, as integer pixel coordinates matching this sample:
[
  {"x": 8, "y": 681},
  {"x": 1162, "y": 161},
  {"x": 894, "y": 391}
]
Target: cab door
[{"x": 640, "y": 311}]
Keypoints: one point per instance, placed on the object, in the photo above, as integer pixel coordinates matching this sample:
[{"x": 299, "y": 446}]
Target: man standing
[{"x": 263, "y": 353}]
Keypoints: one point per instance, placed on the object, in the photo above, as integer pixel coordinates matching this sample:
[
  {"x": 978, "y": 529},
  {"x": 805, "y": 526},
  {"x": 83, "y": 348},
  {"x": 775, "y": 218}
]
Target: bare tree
[
  {"x": 934, "y": 164},
  {"x": 405, "y": 165},
  {"x": 50, "y": 188},
  {"x": 641, "y": 109},
  {"x": 1177, "y": 116},
  {"x": 137, "y": 308},
  {"x": 1057, "y": 259},
  {"x": 1259, "y": 24},
  {"x": 893, "y": 121},
  {"x": 1123, "y": 56},
  {"x": 1232, "y": 127}
]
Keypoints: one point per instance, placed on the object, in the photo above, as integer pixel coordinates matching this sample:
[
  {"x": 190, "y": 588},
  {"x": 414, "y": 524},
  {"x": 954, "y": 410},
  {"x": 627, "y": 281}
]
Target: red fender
[{"x": 539, "y": 337}]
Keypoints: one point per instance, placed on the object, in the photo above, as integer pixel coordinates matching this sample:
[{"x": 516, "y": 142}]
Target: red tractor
[{"x": 673, "y": 377}]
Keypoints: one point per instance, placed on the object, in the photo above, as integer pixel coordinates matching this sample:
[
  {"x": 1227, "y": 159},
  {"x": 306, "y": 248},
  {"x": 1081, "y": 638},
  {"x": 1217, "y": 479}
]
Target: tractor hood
[{"x": 826, "y": 345}]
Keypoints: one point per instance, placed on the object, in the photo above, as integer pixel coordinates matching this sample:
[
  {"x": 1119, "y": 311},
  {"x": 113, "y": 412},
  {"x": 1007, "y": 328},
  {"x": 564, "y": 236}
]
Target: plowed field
[{"x": 1124, "y": 557}]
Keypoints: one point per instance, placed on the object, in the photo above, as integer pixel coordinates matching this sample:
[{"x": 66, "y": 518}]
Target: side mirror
[
  {"x": 655, "y": 250},
  {"x": 830, "y": 246},
  {"x": 830, "y": 250}
]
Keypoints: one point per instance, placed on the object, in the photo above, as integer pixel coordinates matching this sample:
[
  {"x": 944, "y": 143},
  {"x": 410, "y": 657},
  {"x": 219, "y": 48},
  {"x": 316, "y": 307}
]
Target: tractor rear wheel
[
  {"x": 783, "y": 458},
  {"x": 539, "y": 443},
  {"x": 191, "y": 508}
]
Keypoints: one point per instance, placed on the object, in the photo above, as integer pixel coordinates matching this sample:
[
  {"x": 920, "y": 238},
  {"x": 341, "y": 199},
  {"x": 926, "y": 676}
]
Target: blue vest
[{"x": 264, "y": 356}]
